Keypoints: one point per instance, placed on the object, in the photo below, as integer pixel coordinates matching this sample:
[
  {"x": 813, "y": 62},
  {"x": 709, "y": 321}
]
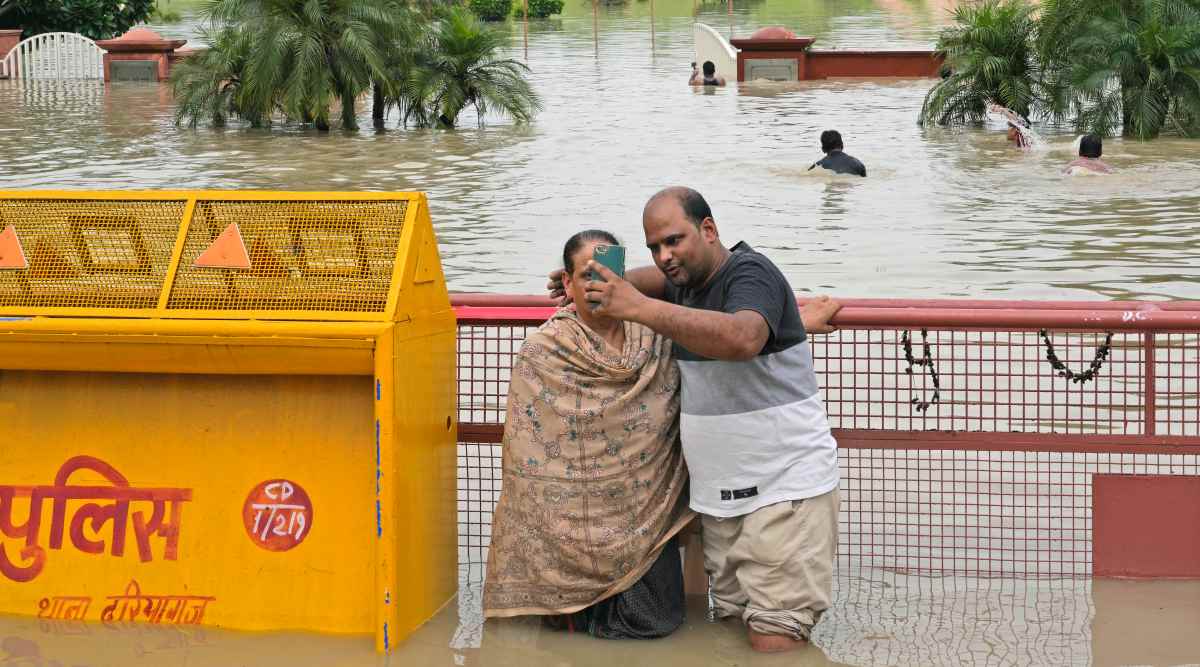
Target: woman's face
[{"x": 575, "y": 283}]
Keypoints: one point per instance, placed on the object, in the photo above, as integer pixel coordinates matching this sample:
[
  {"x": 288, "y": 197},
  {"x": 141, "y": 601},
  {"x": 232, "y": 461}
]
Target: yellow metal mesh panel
[
  {"x": 304, "y": 255},
  {"x": 105, "y": 254}
]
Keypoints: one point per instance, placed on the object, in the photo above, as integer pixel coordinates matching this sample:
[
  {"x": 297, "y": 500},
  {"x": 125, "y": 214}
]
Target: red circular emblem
[{"x": 278, "y": 515}]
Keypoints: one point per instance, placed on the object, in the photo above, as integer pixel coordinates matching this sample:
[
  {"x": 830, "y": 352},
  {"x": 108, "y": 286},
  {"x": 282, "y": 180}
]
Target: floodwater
[
  {"x": 908, "y": 621},
  {"x": 944, "y": 213}
]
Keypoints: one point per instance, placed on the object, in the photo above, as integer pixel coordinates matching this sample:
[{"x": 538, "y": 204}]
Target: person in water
[
  {"x": 835, "y": 160},
  {"x": 1016, "y": 136},
  {"x": 709, "y": 78},
  {"x": 1091, "y": 147},
  {"x": 761, "y": 460},
  {"x": 595, "y": 488}
]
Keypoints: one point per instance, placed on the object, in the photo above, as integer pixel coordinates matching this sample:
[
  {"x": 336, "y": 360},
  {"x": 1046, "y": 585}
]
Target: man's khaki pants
[{"x": 774, "y": 566}]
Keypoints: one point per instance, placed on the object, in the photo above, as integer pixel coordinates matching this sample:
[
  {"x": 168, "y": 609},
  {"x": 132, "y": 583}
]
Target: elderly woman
[{"x": 594, "y": 479}]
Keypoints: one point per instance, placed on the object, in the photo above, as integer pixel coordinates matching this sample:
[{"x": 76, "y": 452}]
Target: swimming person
[
  {"x": 762, "y": 461},
  {"x": 1091, "y": 147},
  {"x": 835, "y": 160},
  {"x": 709, "y": 78},
  {"x": 1016, "y": 136},
  {"x": 1018, "y": 132},
  {"x": 594, "y": 482}
]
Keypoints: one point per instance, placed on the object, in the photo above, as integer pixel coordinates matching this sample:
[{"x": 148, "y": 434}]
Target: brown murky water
[
  {"x": 913, "y": 621},
  {"x": 944, "y": 213}
]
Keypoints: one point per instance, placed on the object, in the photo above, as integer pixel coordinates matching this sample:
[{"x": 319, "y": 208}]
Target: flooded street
[
  {"x": 944, "y": 213},
  {"x": 910, "y": 621}
]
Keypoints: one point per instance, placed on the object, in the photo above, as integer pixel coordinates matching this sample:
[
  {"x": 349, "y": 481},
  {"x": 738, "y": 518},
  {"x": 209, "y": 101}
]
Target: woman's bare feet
[{"x": 772, "y": 643}]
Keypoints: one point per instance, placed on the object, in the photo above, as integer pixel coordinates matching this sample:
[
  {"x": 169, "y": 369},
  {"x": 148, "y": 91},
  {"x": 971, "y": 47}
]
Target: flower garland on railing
[
  {"x": 1093, "y": 369},
  {"x": 919, "y": 403}
]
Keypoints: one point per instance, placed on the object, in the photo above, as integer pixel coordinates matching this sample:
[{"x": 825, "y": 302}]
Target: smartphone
[{"x": 612, "y": 257}]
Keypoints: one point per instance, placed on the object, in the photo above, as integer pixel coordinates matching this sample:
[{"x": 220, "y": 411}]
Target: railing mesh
[{"x": 990, "y": 506}]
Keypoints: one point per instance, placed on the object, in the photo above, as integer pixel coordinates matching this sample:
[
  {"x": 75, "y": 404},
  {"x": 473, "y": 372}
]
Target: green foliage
[
  {"x": 1128, "y": 64},
  {"x": 273, "y": 59},
  {"x": 539, "y": 9},
  {"x": 208, "y": 85},
  {"x": 491, "y": 10},
  {"x": 1105, "y": 65},
  {"x": 459, "y": 65},
  {"x": 97, "y": 19},
  {"x": 991, "y": 55},
  {"x": 295, "y": 58}
]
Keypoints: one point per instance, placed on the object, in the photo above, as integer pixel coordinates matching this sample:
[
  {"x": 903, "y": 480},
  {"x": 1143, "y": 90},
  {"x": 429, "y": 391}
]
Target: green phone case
[{"x": 611, "y": 256}]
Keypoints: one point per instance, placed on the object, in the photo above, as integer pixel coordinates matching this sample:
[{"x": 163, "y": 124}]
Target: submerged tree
[
  {"x": 208, "y": 85},
  {"x": 460, "y": 64},
  {"x": 1128, "y": 64},
  {"x": 991, "y": 55},
  {"x": 299, "y": 57}
]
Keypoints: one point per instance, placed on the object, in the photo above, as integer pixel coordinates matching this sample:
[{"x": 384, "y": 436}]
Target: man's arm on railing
[{"x": 816, "y": 314}]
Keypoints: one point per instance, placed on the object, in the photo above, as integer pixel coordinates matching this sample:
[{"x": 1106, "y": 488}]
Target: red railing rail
[
  {"x": 1153, "y": 373},
  {"x": 1142, "y": 316}
]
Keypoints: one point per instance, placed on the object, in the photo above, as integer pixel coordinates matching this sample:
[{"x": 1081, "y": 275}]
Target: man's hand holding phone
[
  {"x": 611, "y": 256},
  {"x": 611, "y": 295}
]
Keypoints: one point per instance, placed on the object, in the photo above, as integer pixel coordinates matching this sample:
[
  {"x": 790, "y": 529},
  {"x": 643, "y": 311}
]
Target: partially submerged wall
[{"x": 827, "y": 64}]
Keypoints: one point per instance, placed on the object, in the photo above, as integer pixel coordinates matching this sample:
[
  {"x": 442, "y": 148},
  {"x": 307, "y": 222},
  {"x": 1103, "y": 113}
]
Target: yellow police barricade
[{"x": 226, "y": 408}]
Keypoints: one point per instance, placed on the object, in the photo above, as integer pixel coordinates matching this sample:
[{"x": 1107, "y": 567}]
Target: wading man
[
  {"x": 835, "y": 159},
  {"x": 755, "y": 436}
]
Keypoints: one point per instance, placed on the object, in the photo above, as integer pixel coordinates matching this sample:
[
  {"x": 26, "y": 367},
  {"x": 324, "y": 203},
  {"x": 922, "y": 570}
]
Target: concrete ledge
[{"x": 823, "y": 64}]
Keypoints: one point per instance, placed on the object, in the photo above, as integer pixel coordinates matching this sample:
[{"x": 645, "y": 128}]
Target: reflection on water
[
  {"x": 879, "y": 619},
  {"x": 943, "y": 213}
]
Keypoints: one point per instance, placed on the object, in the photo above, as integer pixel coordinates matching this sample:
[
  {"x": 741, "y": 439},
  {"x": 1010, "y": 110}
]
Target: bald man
[{"x": 762, "y": 461}]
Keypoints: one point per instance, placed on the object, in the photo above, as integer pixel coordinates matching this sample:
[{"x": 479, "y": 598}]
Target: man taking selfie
[{"x": 763, "y": 464}]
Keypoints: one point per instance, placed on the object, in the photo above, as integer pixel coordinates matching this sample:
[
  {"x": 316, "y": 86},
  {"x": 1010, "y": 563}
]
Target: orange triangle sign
[
  {"x": 228, "y": 251},
  {"x": 12, "y": 256}
]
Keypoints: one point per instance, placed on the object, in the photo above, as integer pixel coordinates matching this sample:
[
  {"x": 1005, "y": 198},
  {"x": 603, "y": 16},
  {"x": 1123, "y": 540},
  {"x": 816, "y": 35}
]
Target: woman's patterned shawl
[{"x": 594, "y": 479}]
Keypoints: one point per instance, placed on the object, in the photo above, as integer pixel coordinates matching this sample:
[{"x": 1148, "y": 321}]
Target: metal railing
[{"x": 963, "y": 448}]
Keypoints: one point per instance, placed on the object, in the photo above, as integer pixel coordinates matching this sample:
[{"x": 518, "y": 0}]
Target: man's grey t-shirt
[
  {"x": 754, "y": 432},
  {"x": 840, "y": 163}
]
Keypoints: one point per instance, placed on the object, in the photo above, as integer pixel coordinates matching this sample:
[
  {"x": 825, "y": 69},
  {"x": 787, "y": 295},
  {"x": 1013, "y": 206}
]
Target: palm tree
[
  {"x": 1132, "y": 64},
  {"x": 307, "y": 54},
  {"x": 459, "y": 65},
  {"x": 991, "y": 56},
  {"x": 208, "y": 85}
]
